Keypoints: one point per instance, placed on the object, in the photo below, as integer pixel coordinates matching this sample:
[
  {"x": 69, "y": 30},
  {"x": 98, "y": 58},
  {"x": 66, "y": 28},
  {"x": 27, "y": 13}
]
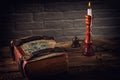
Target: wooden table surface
[{"x": 102, "y": 61}]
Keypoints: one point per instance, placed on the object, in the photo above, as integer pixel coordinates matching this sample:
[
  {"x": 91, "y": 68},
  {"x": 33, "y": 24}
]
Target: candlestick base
[{"x": 88, "y": 50}]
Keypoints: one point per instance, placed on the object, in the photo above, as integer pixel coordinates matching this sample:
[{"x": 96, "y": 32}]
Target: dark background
[{"x": 61, "y": 19}]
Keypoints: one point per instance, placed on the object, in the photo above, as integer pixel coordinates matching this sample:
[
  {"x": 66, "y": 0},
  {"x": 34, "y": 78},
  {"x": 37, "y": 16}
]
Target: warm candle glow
[{"x": 89, "y": 4}]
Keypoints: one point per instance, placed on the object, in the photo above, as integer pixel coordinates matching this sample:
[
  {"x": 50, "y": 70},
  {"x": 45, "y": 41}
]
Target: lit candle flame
[{"x": 89, "y": 4}]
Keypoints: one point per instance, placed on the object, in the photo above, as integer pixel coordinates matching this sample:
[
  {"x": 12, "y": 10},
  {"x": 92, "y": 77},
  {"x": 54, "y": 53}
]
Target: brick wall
[{"x": 61, "y": 19}]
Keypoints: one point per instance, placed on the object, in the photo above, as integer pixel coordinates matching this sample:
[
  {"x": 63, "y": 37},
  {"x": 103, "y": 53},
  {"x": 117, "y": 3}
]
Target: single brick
[
  {"x": 48, "y": 32},
  {"x": 48, "y": 16},
  {"x": 58, "y": 24},
  {"x": 29, "y": 26}
]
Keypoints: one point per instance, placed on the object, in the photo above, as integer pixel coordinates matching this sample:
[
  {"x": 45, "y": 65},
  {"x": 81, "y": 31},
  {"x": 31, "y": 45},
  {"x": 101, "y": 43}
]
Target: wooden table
[{"x": 103, "y": 63}]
